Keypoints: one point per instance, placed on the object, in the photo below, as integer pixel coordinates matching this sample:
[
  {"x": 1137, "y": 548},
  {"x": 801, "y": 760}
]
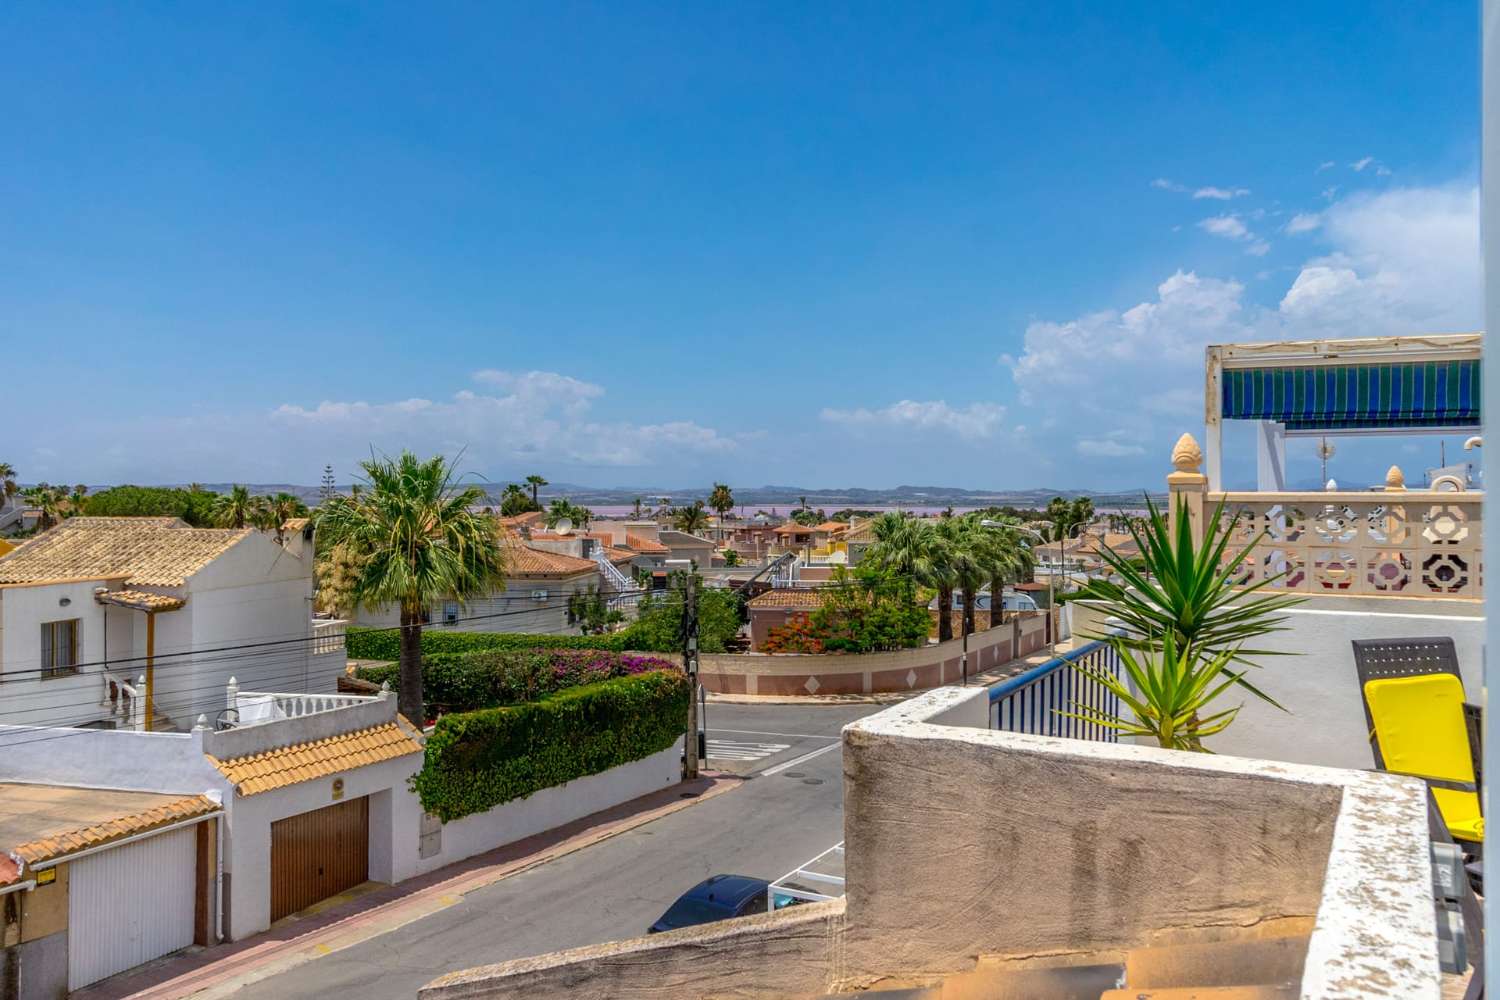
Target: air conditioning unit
[{"x": 538, "y": 595}]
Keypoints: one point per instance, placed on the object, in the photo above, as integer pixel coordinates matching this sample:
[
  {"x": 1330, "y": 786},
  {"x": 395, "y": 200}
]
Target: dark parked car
[{"x": 716, "y": 898}]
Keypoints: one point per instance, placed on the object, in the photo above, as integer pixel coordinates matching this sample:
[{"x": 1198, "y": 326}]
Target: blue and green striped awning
[{"x": 1345, "y": 397}]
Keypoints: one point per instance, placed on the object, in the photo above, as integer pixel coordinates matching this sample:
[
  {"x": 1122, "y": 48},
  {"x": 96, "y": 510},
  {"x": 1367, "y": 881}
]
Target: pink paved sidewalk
[{"x": 296, "y": 940}]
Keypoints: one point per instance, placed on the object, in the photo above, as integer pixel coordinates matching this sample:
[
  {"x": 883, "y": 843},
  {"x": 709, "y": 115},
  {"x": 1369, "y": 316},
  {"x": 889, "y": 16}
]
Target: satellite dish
[{"x": 564, "y": 525}]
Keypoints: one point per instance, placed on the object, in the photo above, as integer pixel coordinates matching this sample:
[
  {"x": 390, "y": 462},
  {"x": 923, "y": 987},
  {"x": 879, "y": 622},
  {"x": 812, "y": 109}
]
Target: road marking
[
  {"x": 798, "y": 760},
  {"x": 741, "y": 750},
  {"x": 761, "y": 732}
]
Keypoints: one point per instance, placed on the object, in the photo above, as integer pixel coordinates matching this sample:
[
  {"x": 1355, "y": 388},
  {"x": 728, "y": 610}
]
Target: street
[{"x": 789, "y": 810}]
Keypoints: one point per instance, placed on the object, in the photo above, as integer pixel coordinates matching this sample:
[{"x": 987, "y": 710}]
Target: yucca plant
[
  {"x": 1170, "y": 695},
  {"x": 1186, "y": 622},
  {"x": 1187, "y": 590}
]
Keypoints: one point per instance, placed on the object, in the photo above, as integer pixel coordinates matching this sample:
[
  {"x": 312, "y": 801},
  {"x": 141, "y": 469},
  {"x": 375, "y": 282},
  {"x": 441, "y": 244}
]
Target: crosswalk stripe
[{"x": 745, "y": 751}]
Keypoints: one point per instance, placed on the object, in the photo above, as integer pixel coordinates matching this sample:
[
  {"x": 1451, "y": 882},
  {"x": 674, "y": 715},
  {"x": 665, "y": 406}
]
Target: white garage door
[{"x": 130, "y": 904}]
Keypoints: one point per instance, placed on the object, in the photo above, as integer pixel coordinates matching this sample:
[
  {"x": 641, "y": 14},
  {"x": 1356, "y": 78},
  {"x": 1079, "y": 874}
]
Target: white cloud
[
  {"x": 1401, "y": 261},
  {"x": 1220, "y": 194},
  {"x": 977, "y": 420},
  {"x": 1361, "y": 163},
  {"x": 1230, "y": 227},
  {"x": 1325, "y": 165},
  {"x": 1330, "y": 192},
  {"x": 1163, "y": 184},
  {"x": 538, "y": 416},
  {"x": 1302, "y": 222}
]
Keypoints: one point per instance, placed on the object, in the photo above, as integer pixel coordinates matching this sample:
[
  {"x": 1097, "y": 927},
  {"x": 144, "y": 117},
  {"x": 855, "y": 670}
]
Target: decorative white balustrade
[
  {"x": 293, "y": 705},
  {"x": 1399, "y": 543},
  {"x": 328, "y": 635}
]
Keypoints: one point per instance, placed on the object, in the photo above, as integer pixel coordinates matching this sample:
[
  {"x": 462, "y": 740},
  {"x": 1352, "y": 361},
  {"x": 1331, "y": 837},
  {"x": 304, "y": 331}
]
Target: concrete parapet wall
[{"x": 790, "y": 954}]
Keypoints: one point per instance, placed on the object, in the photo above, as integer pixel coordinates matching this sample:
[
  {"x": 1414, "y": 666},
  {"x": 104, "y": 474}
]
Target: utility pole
[{"x": 690, "y": 760}]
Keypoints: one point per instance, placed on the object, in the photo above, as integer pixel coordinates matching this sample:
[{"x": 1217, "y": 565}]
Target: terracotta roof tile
[
  {"x": 831, "y": 526},
  {"x": 523, "y": 560},
  {"x": 793, "y": 528},
  {"x": 143, "y": 551},
  {"x": 645, "y": 546},
  {"x": 272, "y": 769},
  {"x": 140, "y": 600},
  {"x": 789, "y": 598},
  {"x": 60, "y": 820}
]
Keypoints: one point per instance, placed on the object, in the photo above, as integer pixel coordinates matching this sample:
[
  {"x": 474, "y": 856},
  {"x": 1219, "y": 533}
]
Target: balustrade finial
[
  {"x": 1186, "y": 455},
  {"x": 1395, "y": 480},
  {"x": 202, "y": 722}
]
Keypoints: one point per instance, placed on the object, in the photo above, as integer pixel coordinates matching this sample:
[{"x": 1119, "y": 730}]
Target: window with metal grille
[{"x": 60, "y": 647}]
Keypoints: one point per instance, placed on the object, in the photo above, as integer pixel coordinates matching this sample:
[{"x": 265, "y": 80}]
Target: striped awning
[{"x": 1344, "y": 397}]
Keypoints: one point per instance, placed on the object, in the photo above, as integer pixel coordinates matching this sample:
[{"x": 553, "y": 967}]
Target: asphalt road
[{"x": 790, "y": 810}]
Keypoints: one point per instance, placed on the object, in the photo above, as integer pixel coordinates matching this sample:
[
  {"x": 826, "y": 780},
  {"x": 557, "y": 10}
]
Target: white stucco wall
[
  {"x": 26, "y": 698},
  {"x": 1325, "y": 721},
  {"x": 512, "y": 610},
  {"x": 395, "y": 817},
  {"x": 553, "y": 807}
]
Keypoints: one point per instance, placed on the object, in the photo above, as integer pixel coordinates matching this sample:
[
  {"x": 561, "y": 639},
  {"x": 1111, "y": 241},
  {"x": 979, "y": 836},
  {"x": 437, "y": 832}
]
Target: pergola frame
[{"x": 1271, "y": 439}]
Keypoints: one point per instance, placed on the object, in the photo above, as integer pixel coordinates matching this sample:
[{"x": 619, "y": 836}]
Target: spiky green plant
[{"x": 1170, "y": 696}]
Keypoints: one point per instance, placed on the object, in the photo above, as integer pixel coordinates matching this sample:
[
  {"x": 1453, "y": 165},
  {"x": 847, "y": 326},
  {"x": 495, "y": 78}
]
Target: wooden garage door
[{"x": 318, "y": 854}]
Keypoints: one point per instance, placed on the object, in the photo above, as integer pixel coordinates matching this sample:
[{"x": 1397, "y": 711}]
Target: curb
[{"x": 261, "y": 959}]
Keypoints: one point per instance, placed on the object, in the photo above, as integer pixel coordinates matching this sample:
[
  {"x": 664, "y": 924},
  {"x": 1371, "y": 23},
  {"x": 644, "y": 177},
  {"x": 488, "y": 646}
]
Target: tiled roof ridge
[{"x": 97, "y": 834}]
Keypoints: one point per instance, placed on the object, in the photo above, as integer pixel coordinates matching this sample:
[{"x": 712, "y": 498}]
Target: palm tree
[
  {"x": 8, "y": 485},
  {"x": 273, "y": 512},
  {"x": 1007, "y": 557},
  {"x": 691, "y": 519},
  {"x": 48, "y": 501},
  {"x": 969, "y": 564},
  {"x": 414, "y": 540},
  {"x": 235, "y": 508},
  {"x": 565, "y": 508},
  {"x": 912, "y": 548},
  {"x": 536, "y": 483},
  {"x": 75, "y": 500},
  {"x": 637, "y": 511},
  {"x": 722, "y": 501}
]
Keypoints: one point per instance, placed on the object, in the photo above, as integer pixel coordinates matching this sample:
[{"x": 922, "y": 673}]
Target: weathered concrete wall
[
  {"x": 789, "y": 954},
  {"x": 1056, "y": 846}
]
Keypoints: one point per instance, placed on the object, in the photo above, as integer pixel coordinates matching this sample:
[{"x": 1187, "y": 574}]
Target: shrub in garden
[
  {"x": 478, "y": 760},
  {"x": 385, "y": 644},
  {"x": 460, "y": 682}
]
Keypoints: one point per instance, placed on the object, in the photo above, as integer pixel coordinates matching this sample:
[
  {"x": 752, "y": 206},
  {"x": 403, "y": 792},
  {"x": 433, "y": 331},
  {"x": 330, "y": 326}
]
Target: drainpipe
[{"x": 150, "y": 668}]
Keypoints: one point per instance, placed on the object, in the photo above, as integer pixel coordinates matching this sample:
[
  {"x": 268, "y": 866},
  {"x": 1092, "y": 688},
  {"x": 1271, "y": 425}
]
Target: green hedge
[
  {"x": 487, "y": 678},
  {"x": 385, "y": 643},
  {"x": 478, "y": 760}
]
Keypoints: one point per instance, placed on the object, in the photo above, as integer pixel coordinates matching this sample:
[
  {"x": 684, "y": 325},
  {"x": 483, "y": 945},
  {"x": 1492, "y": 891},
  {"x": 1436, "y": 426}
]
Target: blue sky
[{"x": 976, "y": 245}]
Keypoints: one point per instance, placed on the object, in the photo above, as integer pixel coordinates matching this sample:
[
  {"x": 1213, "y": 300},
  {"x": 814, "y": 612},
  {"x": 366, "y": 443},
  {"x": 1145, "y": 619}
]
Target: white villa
[{"x": 139, "y": 622}]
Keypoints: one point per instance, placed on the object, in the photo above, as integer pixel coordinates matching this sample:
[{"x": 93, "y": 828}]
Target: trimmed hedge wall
[
  {"x": 478, "y": 760},
  {"x": 385, "y": 643},
  {"x": 486, "y": 678}
]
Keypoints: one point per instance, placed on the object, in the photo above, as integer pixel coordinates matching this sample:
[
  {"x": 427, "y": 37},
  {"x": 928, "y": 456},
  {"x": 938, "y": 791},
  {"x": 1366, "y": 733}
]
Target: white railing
[
  {"x": 328, "y": 635},
  {"x": 617, "y": 581},
  {"x": 251, "y": 707},
  {"x": 1398, "y": 543},
  {"x": 126, "y": 702}
]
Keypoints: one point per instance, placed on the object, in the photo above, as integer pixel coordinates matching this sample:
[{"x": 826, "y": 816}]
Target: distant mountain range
[{"x": 830, "y": 499}]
